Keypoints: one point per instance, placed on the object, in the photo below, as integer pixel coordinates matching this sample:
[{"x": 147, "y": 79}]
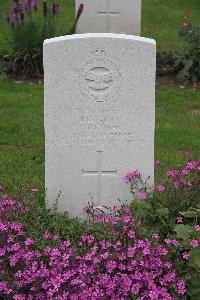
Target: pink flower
[
  {"x": 185, "y": 171},
  {"x": 2, "y": 251},
  {"x": 4, "y": 196},
  {"x": 193, "y": 165},
  {"x": 194, "y": 243},
  {"x": 175, "y": 243},
  {"x": 114, "y": 232},
  {"x": 176, "y": 183},
  {"x": 168, "y": 241},
  {"x": 181, "y": 287},
  {"x": 157, "y": 164},
  {"x": 117, "y": 208},
  {"x": 86, "y": 210},
  {"x": 161, "y": 188},
  {"x": 179, "y": 220},
  {"x": 197, "y": 228},
  {"x": 65, "y": 244},
  {"x": 105, "y": 255},
  {"x": 132, "y": 175},
  {"x": 47, "y": 234},
  {"x": 114, "y": 221},
  {"x": 34, "y": 190},
  {"x": 131, "y": 234},
  {"x": 56, "y": 238},
  {"x": 172, "y": 173},
  {"x": 110, "y": 266},
  {"x": 29, "y": 242},
  {"x": 155, "y": 235},
  {"x": 189, "y": 183},
  {"x": 141, "y": 196},
  {"x": 185, "y": 255},
  {"x": 127, "y": 219}
]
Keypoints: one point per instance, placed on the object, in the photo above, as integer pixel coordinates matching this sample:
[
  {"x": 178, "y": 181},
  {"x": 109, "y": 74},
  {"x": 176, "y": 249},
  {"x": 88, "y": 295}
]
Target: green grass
[
  {"x": 177, "y": 127},
  {"x": 22, "y": 134},
  {"x": 160, "y": 19},
  {"x": 22, "y": 131}
]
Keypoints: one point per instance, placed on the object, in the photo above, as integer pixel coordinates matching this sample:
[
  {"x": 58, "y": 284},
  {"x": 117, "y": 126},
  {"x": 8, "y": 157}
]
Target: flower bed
[{"x": 118, "y": 253}]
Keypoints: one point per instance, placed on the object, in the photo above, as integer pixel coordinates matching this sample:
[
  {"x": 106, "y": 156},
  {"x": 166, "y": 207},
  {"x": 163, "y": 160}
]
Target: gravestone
[
  {"x": 99, "y": 117},
  {"x": 117, "y": 16}
]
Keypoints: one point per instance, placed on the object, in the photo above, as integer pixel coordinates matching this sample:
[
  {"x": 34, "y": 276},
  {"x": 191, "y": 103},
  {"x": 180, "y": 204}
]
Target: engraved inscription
[
  {"x": 100, "y": 79},
  {"x": 96, "y": 125}
]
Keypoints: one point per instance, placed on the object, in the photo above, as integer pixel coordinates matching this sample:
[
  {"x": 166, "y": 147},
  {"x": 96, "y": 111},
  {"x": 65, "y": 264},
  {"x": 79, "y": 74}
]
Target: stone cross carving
[
  {"x": 99, "y": 172},
  {"x": 109, "y": 14}
]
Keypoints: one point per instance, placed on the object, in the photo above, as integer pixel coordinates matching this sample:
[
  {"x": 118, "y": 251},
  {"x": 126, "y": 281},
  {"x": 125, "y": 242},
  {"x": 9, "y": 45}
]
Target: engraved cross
[
  {"x": 108, "y": 13},
  {"x": 99, "y": 173}
]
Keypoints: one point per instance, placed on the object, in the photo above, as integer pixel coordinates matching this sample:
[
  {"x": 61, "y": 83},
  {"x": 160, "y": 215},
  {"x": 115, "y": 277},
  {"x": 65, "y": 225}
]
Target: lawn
[
  {"x": 21, "y": 105},
  {"x": 22, "y": 132},
  {"x": 162, "y": 26}
]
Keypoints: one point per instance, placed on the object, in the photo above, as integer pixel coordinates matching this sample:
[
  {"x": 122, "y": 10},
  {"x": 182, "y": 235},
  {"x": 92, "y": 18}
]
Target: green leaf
[
  {"x": 184, "y": 231},
  {"x": 189, "y": 214},
  {"x": 195, "y": 259},
  {"x": 194, "y": 290}
]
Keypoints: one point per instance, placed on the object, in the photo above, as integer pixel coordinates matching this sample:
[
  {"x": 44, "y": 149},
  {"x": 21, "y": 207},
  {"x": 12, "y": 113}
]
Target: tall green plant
[{"x": 28, "y": 29}]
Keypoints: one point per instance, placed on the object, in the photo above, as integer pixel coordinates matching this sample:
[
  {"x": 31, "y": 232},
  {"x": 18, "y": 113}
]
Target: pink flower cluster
[
  {"x": 118, "y": 268},
  {"x": 181, "y": 177},
  {"x": 132, "y": 175}
]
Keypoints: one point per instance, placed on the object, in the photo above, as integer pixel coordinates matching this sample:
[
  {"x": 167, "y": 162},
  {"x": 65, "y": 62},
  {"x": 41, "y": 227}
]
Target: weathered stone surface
[
  {"x": 99, "y": 117},
  {"x": 116, "y": 16}
]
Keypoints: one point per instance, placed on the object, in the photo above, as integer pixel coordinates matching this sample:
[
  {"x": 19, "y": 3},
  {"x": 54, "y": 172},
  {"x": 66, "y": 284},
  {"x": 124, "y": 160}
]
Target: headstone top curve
[{"x": 100, "y": 35}]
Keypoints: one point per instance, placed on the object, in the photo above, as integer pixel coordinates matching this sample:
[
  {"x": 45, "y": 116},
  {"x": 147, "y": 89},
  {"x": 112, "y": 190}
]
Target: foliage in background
[
  {"x": 27, "y": 33},
  {"x": 28, "y": 30},
  {"x": 186, "y": 63},
  {"x": 3, "y": 72}
]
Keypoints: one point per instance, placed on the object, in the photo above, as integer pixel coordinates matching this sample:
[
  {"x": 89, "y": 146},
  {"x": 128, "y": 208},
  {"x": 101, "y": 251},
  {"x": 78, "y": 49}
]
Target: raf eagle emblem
[{"x": 99, "y": 80}]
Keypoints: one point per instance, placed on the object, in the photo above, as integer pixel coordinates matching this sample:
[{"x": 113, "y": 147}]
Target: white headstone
[
  {"x": 117, "y": 16},
  {"x": 99, "y": 117}
]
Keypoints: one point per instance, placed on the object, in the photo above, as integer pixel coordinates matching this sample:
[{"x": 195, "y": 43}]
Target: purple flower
[
  {"x": 35, "y": 4},
  {"x": 7, "y": 17},
  {"x": 28, "y": 4},
  {"x": 11, "y": 21},
  {"x": 44, "y": 9},
  {"x": 55, "y": 8}
]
